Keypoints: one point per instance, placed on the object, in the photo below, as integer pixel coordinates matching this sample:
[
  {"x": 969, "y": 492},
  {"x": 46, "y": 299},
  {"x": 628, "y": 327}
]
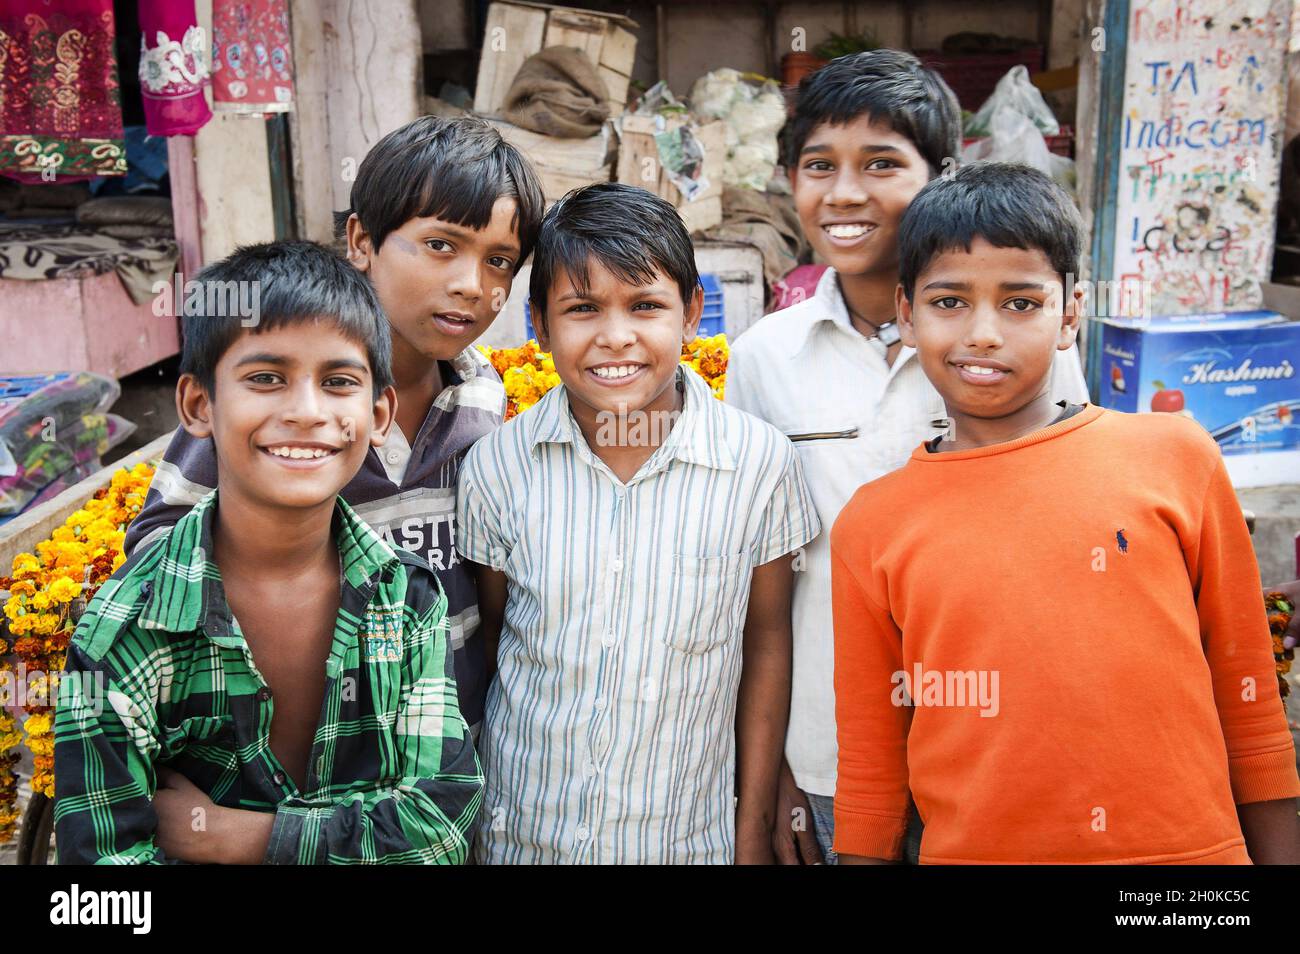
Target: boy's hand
[
  {"x": 793, "y": 839},
  {"x": 1272, "y": 831},
  {"x": 185, "y": 817},
  {"x": 753, "y": 838}
]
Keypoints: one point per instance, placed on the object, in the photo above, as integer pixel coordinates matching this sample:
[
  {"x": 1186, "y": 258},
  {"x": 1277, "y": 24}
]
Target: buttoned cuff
[
  {"x": 295, "y": 837},
  {"x": 869, "y": 836},
  {"x": 1266, "y": 777}
]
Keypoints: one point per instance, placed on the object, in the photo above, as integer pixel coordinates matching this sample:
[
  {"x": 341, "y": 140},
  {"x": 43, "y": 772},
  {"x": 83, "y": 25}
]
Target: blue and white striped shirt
[{"x": 609, "y": 734}]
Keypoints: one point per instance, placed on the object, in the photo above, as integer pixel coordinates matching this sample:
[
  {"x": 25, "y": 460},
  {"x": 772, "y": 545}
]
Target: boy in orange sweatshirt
[{"x": 1049, "y": 624}]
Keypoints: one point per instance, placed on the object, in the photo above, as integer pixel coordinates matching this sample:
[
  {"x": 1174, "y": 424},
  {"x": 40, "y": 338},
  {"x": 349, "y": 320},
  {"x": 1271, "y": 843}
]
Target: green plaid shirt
[{"x": 158, "y": 673}]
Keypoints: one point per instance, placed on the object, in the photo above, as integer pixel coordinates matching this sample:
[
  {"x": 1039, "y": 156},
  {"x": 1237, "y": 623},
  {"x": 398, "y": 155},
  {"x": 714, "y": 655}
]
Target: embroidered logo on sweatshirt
[{"x": 1121, "y": 540}]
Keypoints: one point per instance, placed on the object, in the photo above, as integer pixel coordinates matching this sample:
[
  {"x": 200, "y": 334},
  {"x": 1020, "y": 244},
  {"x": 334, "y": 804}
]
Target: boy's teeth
[
  {"x": 619, "y": 372},
  {"x": 846, "y": 231},
  {"x": 299, "y": 453},
  {"x": 978, "y": 369}
]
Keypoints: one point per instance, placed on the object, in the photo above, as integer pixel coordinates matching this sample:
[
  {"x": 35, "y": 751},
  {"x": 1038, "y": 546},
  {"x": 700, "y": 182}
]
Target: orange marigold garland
[
  {"x": 1280, "y": 610},
  {"x": 67, "y": 568},
  {"x": 528, "y": 372}
]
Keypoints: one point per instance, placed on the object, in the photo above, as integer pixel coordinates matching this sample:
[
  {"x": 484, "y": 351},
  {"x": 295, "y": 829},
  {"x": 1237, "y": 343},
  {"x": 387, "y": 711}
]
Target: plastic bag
[
  {"x": 1014, "y": 138},
  {"x": 754, "y": 110},
  {"x": 48, "y": 425},
  {"x": 1015, "y": 92}
]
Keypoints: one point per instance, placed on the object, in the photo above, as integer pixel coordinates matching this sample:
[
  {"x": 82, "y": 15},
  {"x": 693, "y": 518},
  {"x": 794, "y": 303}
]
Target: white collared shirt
[
  {"x": 853, "y": 418},
  {"x": 610, "y": 728}
]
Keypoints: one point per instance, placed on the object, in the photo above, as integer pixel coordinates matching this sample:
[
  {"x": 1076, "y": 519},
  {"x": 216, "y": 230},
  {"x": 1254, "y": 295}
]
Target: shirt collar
[
  {"x": 185, "y": 591},
  {"x": 829, "y": 306},
  {"x": 698, "y": 436}
]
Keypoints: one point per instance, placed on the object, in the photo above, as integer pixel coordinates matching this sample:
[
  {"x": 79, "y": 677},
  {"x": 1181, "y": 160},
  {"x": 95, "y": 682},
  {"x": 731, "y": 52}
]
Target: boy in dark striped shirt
[
  {"x": 444, "y": 213},
  {"x": 270, "y": 681}
]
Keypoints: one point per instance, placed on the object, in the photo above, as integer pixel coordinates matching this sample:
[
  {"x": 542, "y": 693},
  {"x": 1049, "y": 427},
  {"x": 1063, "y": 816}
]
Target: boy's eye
[
  {"x": 877, "y": 165},
  {"x": 1022, "y": 304},
  {"x": 582, "y": 306},
  {"x": 646, "y": 305},
  {"x": 438, "y": 245},
  {"x": 340, "y": 381},
  {"x": 500, "y": 261},
  {"x": 946, "y": 302},
  {"x": 263, "y": 377},
  {"x": 818, "y": 165}
]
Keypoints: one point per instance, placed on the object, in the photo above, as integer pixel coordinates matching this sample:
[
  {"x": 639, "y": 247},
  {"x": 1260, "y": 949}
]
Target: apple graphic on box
[{"x": 1167, "y": 400}]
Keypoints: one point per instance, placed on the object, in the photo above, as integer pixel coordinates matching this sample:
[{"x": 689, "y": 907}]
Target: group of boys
[{"x": 362, "y": 620}]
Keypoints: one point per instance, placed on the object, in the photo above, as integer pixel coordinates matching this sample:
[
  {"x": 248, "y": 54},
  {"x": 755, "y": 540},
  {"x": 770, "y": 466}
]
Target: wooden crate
[
  {"x": 516, "y": 30},
  {"x": 562, "y": 164},
  {"x": 638, "y": 165}
]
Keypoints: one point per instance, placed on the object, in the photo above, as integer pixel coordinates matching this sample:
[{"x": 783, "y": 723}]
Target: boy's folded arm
[
  {"x": 428, "y": 815},
  {"x": 1238, "y": 649},
  {"x": 104, "y": 772},
  {"x": 871, "y": 794},
  {"x": 187, "y": 472}
]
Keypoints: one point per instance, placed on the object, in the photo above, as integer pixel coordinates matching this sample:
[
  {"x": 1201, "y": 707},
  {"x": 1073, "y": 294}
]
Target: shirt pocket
[
  {"x": 197, "y": 731},
  {"x": 710, "y": 594}
]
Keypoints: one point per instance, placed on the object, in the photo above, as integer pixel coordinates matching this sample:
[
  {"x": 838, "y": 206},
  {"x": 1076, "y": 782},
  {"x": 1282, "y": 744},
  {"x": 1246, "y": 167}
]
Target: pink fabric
[
  {"x": 799, "y": 285},
  {"x": 252, "y": 59},
  {"x": 173, "y": 68}
]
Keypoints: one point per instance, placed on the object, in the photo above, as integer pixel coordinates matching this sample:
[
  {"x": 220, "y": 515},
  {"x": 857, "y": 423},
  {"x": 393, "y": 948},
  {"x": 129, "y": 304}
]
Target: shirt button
[
  {"x": 589, "y": 768},
  {"x": 278, "y": 778},
  {"x": 616, "y": 565},
  {"x": 394, "y": 456},
  {"x": 608, "y": 640},
  {"x": 583, "y": 833},
  {"x": 146, "y": 588},
  {"x": 264, "y": 693},
  {"x": 599, "y": 705}
]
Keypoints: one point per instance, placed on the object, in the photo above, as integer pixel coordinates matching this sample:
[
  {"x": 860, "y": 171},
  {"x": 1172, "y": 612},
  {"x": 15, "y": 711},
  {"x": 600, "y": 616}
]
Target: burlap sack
[{"x": 558, "y": 92}]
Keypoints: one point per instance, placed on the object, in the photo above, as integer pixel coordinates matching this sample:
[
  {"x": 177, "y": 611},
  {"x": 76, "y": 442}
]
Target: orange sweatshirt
[{"x": 1076, "y": 618}]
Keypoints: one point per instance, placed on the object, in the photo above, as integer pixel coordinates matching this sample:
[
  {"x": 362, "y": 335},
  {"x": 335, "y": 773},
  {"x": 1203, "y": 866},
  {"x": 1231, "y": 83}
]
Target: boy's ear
[
  {"x": 694, "y": 312},
  {"x": 359, "y": 246},
  {"x": 193, "y": 406},
  {"x": 384, "y": 414},
  {"x": 1071, "y": 318},
  {"x": 903, "y": 309}
]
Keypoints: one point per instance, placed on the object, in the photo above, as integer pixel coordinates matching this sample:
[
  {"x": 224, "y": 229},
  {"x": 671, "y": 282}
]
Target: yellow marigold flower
[
  {"x": 25, "y": 563},
  {"x": 64, "y": 590},
  {"x": 39, "y": 723}
]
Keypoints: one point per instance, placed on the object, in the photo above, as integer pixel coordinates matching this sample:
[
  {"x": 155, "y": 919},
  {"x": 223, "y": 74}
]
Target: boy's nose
[
  {"x": 305, "y": 406},
  {"x": 847, "y": 190},
  {"x": 466, "y": 282},
  {"x": 982, "y": 330},
  {"x": 617, "y": 332}
]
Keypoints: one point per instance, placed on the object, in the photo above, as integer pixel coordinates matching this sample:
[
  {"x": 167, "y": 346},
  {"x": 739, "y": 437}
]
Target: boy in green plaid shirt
[{"x": 270, "y": 681}]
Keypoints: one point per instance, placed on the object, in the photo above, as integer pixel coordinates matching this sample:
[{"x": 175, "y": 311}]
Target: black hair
[
  {"x": 454, "y": 169},
  {"x": 1007, "y": 204},
  {"x": 886, "y": 86},
  {"x": 630, "y": 231},
  {"x": 294, "y": 282}
]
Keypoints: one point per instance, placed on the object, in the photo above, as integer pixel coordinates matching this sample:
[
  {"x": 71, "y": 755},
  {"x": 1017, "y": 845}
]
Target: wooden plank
[
  {"x": 21, "y": 534},
  {"x": 584, "y": 31},
  {"x": 616, "y": 83},
  {"x": 618, "y": 52},
  {"x": 514, "y": 32}
]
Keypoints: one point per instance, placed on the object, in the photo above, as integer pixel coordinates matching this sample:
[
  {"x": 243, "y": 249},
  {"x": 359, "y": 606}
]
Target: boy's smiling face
[
  {"x": 617, "y": 345},
  {"x": 292, "y": 414},
  {"x": 852, "y": 184},
  {"x": 986, "y": 325},
  {"x": 441, "y": 284}
]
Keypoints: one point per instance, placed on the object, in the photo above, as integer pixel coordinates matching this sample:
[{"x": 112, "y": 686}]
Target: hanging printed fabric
[
  {"x": 173, "y": 68},
  {"x": 60, "y": 106},
  {"x": 252, "y": 62}
]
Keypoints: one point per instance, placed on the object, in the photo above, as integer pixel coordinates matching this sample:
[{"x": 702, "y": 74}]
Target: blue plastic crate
[{"x": 712, "y": 321}]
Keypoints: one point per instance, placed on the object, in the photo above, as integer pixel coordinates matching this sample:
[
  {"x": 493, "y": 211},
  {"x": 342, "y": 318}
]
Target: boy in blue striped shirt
[{"x": 633, "y": 536}]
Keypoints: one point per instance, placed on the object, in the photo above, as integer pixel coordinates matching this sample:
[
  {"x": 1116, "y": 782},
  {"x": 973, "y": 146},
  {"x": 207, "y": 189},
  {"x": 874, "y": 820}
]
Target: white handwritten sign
[{"x": 1200, "y": 150}]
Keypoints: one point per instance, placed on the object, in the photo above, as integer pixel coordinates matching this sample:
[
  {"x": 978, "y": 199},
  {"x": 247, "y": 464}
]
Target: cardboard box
[
  {"x": 639, "y": 165},
  {"x": 1238, "y": 375},
  {"x": 516, "y": 30}
]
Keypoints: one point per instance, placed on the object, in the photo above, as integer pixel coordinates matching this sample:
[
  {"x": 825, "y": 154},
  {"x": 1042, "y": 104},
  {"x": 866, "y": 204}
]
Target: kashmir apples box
[{"x": 1235, "y": 374}]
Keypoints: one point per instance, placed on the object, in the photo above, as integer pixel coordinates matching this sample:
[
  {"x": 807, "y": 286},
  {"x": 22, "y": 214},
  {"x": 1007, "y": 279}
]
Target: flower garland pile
[
  {"x": 72, "y": 564},
  {"x": 1280, "y": 611},
  {"x": 528, "y": 372}
]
